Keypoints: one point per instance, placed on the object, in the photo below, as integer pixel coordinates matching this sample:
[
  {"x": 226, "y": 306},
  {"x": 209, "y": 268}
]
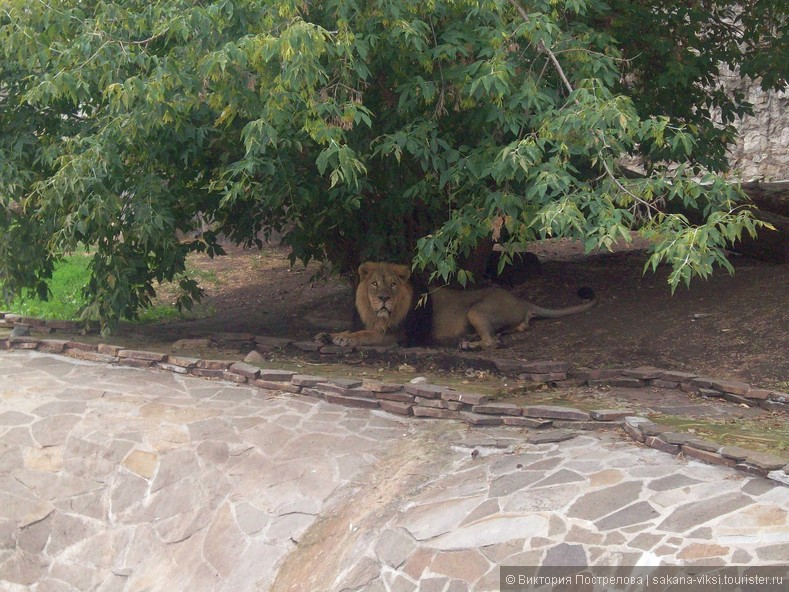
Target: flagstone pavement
[{"x": 115, "y": 478}]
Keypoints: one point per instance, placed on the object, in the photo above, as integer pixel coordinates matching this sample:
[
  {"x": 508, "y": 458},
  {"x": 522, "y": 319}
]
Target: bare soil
[{"x": 727, "y": 326}]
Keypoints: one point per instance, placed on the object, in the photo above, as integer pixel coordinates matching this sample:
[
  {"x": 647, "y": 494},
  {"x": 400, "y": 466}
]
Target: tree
[{"x": 386, "y": 129}]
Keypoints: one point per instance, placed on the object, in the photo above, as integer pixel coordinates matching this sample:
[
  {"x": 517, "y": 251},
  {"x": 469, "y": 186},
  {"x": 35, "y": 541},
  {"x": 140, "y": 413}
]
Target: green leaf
[{"x": 392, "y": 130}]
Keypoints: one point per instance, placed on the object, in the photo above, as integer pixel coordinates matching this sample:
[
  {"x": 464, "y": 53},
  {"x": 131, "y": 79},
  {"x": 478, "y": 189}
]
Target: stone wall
[{"x": 762, "y": 149}]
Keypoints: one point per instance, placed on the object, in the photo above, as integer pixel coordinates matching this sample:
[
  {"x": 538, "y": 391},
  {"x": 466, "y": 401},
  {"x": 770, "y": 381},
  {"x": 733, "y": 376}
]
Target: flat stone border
[
  {"x": 440, "y": 402},
  {"x": 553, "y": 373}
]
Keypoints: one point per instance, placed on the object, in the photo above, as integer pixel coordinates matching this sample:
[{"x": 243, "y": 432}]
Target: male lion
[{"x": 386, "y": 303}]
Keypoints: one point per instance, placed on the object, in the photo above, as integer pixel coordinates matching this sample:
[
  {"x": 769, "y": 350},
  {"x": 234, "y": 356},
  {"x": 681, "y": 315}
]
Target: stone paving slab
[{"x": 119, "y": 478}]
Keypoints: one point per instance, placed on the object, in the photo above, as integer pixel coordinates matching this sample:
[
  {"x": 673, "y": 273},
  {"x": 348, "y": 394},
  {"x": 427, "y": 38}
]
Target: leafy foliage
[
  {"x": 66, "y": 298},
  {"x": 386, "y": 129},
  {"x": 68, "y": 279}
]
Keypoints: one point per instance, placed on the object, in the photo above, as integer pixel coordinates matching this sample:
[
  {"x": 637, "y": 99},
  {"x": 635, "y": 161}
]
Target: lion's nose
[{"x": 383, "y": 299}]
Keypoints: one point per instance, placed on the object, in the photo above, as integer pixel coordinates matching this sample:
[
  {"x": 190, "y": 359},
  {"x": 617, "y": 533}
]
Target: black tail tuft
[{"x": 586, "y": 294}]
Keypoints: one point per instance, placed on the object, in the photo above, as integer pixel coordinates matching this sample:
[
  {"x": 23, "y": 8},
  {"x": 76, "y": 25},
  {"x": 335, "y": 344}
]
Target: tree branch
[
  {"x": 558, "y": 67},
  {"x": 541, "y": 47}
]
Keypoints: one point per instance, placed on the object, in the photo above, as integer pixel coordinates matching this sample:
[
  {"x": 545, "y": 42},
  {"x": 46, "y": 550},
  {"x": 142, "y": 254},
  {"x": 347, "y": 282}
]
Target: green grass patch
[
  {"x": 204, "y": 276},
  {"x": 769, "y": 433},
  {"x": 65, "y": 300}
]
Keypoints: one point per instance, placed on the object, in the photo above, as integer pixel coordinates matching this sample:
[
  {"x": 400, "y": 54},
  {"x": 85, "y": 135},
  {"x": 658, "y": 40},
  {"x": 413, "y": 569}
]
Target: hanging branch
[
  {"x": 542, "y": 48},
  {"x": 558, "y": 67}
]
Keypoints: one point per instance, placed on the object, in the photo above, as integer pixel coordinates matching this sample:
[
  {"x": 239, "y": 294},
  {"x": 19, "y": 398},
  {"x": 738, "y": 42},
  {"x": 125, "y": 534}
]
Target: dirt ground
[{"x": 727, "y": 326}]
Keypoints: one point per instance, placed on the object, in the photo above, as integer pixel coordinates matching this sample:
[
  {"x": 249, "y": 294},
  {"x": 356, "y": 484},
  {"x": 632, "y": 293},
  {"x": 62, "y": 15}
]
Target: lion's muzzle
[{"x": 384, "y": 306}]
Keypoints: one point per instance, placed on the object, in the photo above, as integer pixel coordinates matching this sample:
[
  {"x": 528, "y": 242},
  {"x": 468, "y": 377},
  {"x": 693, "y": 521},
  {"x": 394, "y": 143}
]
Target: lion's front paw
[
  {"x": 479, "y": 345},
  {"x": 470, "y": 345},
  {"x": 322, "y": 338},
  {"x": 343, "y": 340}
]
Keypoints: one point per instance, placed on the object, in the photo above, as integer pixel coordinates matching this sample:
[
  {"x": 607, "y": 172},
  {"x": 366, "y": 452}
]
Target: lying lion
[{"x": 386, "y": 303}]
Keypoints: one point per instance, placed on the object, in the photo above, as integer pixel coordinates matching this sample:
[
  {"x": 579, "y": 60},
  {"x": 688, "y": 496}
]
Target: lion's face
[{"x": 384, "y": 293}]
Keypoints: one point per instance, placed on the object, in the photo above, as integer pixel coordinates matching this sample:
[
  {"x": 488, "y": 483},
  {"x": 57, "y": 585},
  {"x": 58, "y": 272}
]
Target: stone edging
[
  {"x": 552, "y": 423},
  {"x": 553, "y": 373}
]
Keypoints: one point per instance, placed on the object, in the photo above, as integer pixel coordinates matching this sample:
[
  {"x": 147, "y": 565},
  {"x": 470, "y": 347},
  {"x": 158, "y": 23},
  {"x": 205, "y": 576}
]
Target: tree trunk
[
  {"x": 770, "y": 197},
  {"x": 769, "y": 245},
  {"x": 772, "y": 206},
  {"x": 772, "y": 201}
]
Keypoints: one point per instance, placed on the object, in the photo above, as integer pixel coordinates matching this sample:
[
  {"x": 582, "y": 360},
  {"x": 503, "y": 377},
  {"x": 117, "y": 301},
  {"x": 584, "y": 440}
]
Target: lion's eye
[
  {"x": 394, "y": 285},
  {"x": 374, "y": 284}
]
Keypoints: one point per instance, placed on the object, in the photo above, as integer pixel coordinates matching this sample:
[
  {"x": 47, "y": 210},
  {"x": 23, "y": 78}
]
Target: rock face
[
  {"x": 116, "y": 478},
  {"x": 761, "y": 151}
]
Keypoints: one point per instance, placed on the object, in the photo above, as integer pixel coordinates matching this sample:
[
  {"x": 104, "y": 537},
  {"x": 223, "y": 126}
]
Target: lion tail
[{"x": 586, "y": 294}]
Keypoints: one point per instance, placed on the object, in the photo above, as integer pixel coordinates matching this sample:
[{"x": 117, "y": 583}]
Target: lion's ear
[
  {"x": 402, "y": 271},
  {"x": 365, "y": 269}
]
